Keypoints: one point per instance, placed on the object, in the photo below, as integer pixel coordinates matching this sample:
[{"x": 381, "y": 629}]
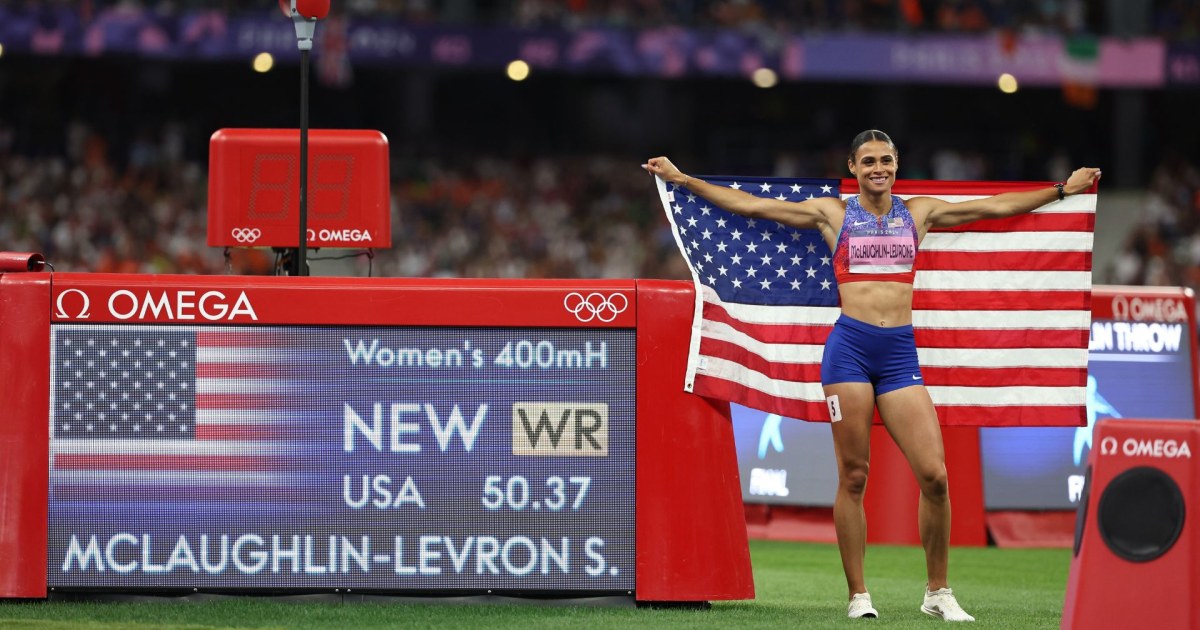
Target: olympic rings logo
[
  {"x": 246, "y": 235},
  {"x": 595, "y": 306}
]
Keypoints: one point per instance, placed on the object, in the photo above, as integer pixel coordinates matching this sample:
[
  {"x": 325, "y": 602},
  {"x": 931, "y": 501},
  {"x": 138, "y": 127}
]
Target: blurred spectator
[
  {"x": 1177, "y": 19},
  {"x": 1164, "y": 249}
]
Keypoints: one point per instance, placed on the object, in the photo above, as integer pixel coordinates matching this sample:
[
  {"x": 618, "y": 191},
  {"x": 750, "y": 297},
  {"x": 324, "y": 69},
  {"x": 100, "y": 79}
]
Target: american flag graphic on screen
[
  {"x": 1001, "y": 307},
  {"x": 167, "y": 408}
]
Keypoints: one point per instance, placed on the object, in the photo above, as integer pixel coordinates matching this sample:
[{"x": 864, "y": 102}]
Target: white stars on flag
[
  {"x": 164, "y": 375},
  {"x": 716, "y": 242}
]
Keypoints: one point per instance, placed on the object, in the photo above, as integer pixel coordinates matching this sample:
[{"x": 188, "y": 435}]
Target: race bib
[{"x": 882, "y": 250}]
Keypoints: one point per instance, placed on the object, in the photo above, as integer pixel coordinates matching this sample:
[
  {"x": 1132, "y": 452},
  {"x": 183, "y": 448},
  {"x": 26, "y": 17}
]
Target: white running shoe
[
  {"x": 941, "y": 603},
  {"x": 860, "y": 607}
]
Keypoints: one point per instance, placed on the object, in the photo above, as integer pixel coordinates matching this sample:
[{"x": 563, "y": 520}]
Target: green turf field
[{"x": 798, "y": 586}]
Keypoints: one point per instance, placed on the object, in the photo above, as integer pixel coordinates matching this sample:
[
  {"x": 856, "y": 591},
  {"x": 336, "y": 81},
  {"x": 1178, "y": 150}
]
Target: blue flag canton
[
  {"x": 754, "y": 261},
  {"x": 124, "y": 384}
]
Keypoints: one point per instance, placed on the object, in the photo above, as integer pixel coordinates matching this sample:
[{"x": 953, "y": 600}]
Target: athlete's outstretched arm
[
  {"x": 940, "y": 213},
  {"x": 812, "y": 213}
]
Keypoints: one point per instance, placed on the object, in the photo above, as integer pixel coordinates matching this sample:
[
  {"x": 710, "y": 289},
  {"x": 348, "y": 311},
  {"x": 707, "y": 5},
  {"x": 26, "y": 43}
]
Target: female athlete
[{"x": 870, "y": 358}]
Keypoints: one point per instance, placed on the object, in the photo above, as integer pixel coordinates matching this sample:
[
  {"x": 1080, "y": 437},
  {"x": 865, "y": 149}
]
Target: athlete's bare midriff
[{"x": 884, "y": 304}]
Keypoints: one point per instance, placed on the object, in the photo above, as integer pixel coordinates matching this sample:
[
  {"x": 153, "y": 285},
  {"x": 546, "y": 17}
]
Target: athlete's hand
[
  {"x": 1081, "y": 180},
  {"x": 663, "y": 167}
]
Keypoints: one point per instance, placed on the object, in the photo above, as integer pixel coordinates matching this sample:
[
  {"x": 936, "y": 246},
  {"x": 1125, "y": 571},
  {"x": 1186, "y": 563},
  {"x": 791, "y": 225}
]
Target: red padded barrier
[
  {"x": 24, "y": 433},
  {"x": 892, "y": 491},
  {"x": 1031, "y": 528},
  {"x": 691, "y": 528}
]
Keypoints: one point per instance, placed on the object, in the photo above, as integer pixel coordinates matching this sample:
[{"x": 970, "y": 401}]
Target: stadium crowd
[
  {"x": 1058, "y": 16},
  {"x": 1171, "y": 19},
  {"x": 586, "y": 217},
  {"x": 93, "y": 203},
  {"x": 1163, "y": 249},
  {"x": 594, "y": 216}
]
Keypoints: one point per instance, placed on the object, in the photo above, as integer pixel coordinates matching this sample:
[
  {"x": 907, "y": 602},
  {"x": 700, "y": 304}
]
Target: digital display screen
[
  {"x": 254, "y": 188},
  {"x": 392, "y": 459},
  {"x": 1139, "y": 366},
  {"x": 783, "y": 461},
  {"x": 1136, "y": 369}
]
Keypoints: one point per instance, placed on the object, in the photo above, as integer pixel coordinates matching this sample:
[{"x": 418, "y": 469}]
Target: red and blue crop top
[{"x": 881, "y": 249}]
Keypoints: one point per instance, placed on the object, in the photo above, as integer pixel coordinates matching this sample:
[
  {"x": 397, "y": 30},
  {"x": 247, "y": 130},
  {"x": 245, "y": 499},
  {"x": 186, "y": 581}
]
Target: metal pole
[{"x": 300, "y": 265}]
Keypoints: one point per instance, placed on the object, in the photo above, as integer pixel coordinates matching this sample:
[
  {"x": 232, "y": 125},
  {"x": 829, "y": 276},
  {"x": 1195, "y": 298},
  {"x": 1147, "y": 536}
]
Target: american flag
[
  {"x": 1001, "y": 308},
  {"x": 151, "y": 412}
]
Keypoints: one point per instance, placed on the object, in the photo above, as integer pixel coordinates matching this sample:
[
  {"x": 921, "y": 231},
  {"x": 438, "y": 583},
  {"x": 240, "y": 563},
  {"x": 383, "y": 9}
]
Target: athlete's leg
[
  {"x": 911, "y": 420},
  {"x": 851, "y": 414}
]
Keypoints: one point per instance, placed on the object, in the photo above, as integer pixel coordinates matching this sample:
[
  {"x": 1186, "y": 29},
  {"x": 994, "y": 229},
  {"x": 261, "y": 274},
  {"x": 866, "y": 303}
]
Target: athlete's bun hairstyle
[{"x": 870, "y": 135}]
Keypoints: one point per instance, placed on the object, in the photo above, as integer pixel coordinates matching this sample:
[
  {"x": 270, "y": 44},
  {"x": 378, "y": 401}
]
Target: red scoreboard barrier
[{"x": 251, "y": 434}]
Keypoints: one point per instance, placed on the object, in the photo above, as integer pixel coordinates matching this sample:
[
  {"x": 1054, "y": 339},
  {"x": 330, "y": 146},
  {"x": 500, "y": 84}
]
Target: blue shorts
[{"x": 858, "y": 352}]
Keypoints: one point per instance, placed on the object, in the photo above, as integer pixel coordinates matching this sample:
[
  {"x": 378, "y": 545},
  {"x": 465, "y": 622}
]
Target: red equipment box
[
  {"x": 1135, "y": 543},
  {"x": 254, "y": 186}
]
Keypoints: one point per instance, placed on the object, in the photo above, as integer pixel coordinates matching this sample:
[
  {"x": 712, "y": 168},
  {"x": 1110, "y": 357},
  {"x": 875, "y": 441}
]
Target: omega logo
[
  {"x": 171, "y": 304},
  {"x": 342, "y": 235},
  {"x": 1147, "y": 447},
  {"x": 84, "y": 309},
  {"x": 1151, "y": 309}
]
